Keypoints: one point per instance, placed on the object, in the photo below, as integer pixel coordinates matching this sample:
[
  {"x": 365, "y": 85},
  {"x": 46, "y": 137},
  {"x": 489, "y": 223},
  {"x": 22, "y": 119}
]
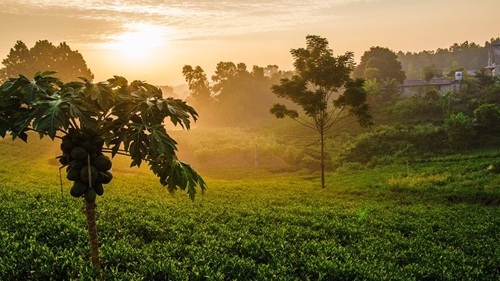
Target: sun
[{"x": 139, "y": 41}]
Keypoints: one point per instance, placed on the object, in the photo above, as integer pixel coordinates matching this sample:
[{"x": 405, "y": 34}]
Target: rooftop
[{"x": 434, "y": 81}]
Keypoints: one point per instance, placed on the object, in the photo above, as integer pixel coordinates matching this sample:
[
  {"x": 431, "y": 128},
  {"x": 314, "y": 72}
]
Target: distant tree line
[
  {"x": 44, "y": 56},
  {"x": 465, "y": 56},
  {"x": 236, "y": 95}
]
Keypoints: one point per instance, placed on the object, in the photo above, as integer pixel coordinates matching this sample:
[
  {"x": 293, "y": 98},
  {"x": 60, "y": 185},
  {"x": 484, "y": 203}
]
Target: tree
[
  {"x": 431, "y": 71},
  {"x": 319, "y": 76},
  {"x": 238, "y": 96},
  {"x": 373, "y": 93},
  {"x": 383, "y": 59},
  {"x": 68, "y": 64},
  {"x": 198, "y": 85},
  {"x": 112, "y": 117}
]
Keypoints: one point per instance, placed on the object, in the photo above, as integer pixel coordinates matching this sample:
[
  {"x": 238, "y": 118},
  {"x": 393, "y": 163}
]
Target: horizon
[{"x": 153, "y": 40}]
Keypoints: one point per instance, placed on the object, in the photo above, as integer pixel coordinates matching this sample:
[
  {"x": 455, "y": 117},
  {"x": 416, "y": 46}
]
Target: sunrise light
[{"x": 139, "y": 40}]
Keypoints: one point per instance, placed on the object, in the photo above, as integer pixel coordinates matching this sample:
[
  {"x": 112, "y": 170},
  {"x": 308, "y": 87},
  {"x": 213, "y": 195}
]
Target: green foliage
[
  {"x": 491, "y": 93},
  {"x": 319, "y": 77},
  {"x": 416, "y": 108},
  {"x": 128, "y": 118},
  {"x": 487, "y": 117},
  {"x": 238, "y": 97},
  {"x": 388, "y": 144},
  {"x": 467, "y": 55},
  {"x": 235, "y": 147},
  {"x": 431, "y": 71},
  {"x": 434, "y": 220},
  {"x": 381, "y": 64},
  {"x": 460, "y": 130},
  {"x": 382, "y": 95}
]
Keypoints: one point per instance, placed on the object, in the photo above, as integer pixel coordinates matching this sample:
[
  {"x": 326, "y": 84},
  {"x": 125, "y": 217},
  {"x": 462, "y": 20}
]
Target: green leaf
[
  {"x": 30, "y": 92},
  {"x": 92, "y": 91},
  {"x": 52, "y": 118}
]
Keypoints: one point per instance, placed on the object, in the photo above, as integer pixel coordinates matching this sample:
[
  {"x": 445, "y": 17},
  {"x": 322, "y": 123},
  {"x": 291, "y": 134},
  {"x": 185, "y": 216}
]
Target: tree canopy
[
  {"x": 43, "y": 56},
  {"x": 381, "y": 64},
  {"x": 468, "y": 55},
  {"x": 237, "y": 95}
]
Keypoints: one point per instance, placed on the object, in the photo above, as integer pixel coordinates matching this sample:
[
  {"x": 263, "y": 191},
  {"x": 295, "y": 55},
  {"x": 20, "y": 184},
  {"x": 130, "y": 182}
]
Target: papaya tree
[{"x": 95, "y": 119}]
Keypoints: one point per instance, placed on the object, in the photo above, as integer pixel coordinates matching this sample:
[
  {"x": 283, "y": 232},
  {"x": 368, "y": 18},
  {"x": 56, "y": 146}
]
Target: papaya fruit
[
  {"x": 78, "y": 188},
  {"x": 93, "y": 149},
  {"x": 79, "y": 153},
  {"x": 106, "y": 177},
  {"x": 66, "y": 147},
  {"x": 73, "y": 174},
  {"x": 63, "y": 159},
  {"x": 98, "y": 141},
  {"x": 76, "y": 141},
  {"x": 86, "y": 145},
  {"x": 102, "y": 163},
  {"x": 90, "y": 194},
  {"x": 72, "y": 132},
  {"x": 86, "y": 136},
  {"x": 84, "y": 176},
  {"x": 77, "y": 164},
  {"x": 99, "y": 189}
]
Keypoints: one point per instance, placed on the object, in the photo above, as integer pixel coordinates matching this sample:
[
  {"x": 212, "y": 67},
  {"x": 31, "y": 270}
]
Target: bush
[
  {"x": 487, "y": 118},
  {"x": 460, "y": 131},
  {"x": 491, "y": 94},
  {"x": 396, "y": 142},
  {"x": 416, "y": 107}
]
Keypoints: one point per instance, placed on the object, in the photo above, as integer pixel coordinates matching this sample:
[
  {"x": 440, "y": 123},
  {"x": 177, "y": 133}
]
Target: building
[
  {"x": 412, "y": 87},
  {"x": 494, "y": 59},
  {"x": 420, "y": 87}
]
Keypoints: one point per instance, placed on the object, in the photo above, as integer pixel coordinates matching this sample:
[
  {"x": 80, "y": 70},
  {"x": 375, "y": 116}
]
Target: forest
[{"x": 323, "y": 172}]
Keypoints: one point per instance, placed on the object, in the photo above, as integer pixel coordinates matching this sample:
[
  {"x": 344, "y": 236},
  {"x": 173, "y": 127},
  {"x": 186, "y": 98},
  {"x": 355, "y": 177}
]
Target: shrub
[
  {"x": 416, "y": 107},
  {"x": 460, "y": 130},
  {"x": 386, "y": 142},
  {"x": 487, "y": 118}
]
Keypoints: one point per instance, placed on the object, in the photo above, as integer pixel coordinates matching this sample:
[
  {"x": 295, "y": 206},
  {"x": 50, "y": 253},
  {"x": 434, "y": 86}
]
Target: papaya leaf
[
  {"x": 30, "y": 92},
  {"x": 160, "y": 142},
  {"x": 5, "y": 126},
  {"x": 52, "y": 118},
  {"x": 136, "y": 144}
]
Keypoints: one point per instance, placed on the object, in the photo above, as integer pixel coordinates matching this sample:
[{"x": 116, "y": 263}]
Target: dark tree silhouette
[{"x": 68, "y": 64}]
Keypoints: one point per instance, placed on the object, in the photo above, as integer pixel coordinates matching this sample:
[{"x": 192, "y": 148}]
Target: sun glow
[{"x": 139, "y": 41}]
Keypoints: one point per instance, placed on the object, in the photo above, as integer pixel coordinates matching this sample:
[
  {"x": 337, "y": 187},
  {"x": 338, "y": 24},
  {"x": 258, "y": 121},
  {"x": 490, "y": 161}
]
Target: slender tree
[
  {"x": 315, "y": 86},
  {"x": 92, "y": 119},
  {"x": 196, "y": 78}
]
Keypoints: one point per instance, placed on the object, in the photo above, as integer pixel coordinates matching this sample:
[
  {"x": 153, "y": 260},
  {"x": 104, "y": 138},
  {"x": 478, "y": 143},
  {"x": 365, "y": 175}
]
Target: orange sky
[{"x": 152, "y": 40}]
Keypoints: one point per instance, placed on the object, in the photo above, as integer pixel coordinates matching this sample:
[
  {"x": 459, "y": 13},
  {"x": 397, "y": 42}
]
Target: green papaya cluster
[{"x": 80, "y": 148}]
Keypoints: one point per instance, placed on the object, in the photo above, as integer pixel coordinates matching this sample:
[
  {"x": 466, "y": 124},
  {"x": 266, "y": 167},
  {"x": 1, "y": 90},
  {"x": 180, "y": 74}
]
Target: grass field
[{"x": 433, "y": 220}]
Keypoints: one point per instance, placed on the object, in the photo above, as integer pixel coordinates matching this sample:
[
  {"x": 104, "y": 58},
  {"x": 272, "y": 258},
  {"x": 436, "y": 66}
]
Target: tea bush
[{"x": 436, "y": 219}]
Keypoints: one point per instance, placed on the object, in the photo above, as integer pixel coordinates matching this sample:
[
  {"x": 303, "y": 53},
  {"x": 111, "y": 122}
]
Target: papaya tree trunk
[
  {"x": 322, "y": 135},
  {"x": 90, "y": 213}
]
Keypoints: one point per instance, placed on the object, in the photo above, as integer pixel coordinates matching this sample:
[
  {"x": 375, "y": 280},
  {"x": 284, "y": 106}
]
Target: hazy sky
[{"x": 152, "y": 40}]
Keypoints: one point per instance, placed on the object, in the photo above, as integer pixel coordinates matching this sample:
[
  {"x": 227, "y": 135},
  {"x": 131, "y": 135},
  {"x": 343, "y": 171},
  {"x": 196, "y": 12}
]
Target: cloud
[{"x": 97, "y": 21}]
